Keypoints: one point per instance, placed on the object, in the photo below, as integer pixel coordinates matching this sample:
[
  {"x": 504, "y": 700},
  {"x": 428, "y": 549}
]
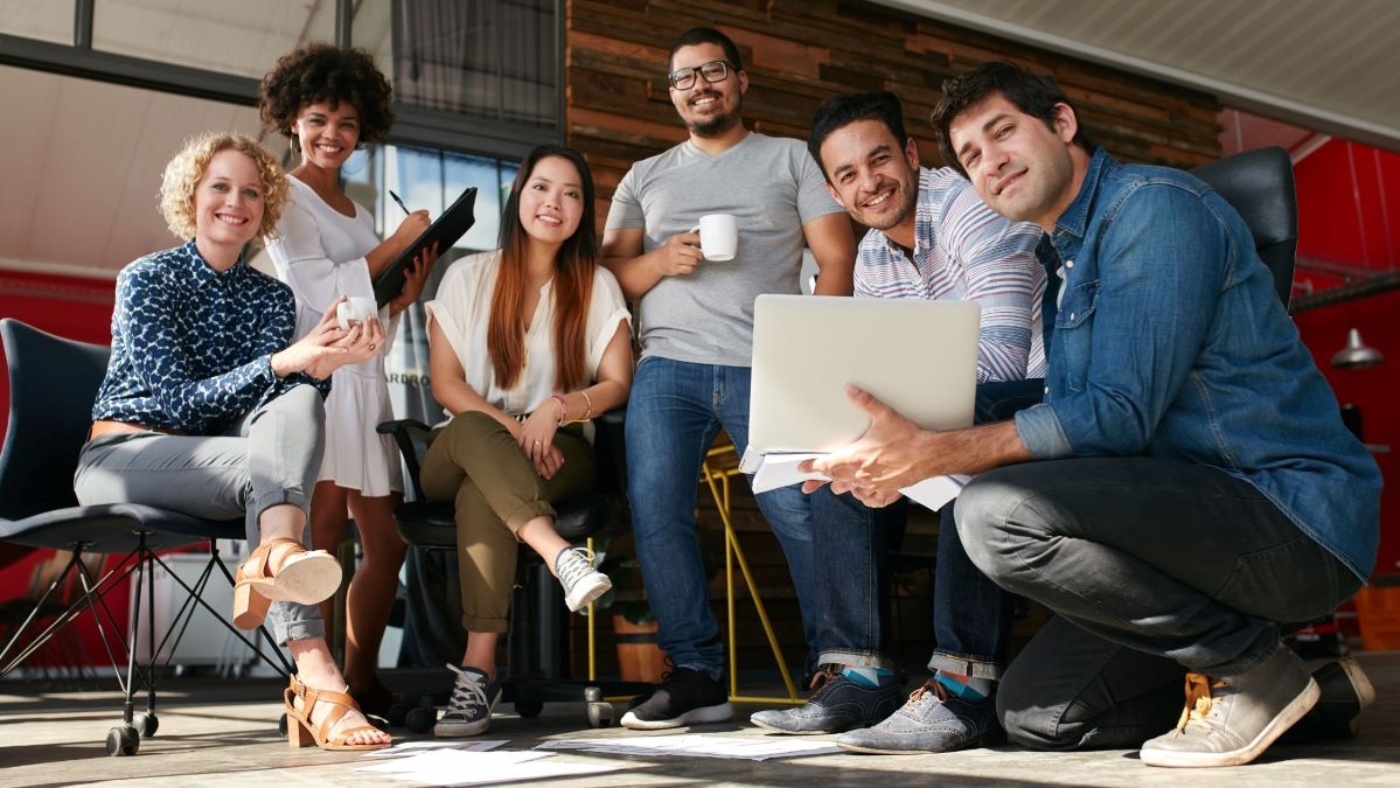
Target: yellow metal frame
[{"x": 718, "y": 481}]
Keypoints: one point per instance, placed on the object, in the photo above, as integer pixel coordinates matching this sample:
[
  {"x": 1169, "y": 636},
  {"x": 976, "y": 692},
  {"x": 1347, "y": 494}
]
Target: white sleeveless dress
[{"x": 320, "y": 253}]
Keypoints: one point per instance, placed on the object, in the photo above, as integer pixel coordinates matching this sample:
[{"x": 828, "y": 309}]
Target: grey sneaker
[
  {"x": 932, "y": 720},
  {"x": 474, "y": 697},
  {"x": 582, "y": 583},
  {"x": 1231, "y": 721},
  {"x": 839, "y": 704}
]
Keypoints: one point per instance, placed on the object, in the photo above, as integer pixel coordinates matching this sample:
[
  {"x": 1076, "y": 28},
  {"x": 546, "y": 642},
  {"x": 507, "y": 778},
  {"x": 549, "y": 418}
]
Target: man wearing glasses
[{"x": 695, "y": 319}]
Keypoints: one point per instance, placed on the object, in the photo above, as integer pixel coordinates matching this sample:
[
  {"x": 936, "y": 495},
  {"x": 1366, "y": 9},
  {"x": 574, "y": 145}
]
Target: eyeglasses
[{"x": 713, "y": 71}]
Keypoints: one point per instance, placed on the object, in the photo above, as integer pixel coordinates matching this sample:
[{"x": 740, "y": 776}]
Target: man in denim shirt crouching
[{"x": 1187, "y": 486}]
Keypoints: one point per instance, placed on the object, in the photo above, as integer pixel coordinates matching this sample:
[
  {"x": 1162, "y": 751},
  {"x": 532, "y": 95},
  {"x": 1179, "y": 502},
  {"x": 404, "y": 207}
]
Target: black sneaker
[
  {"x": 685, "y": 697},
  {"x": 838, "y": 704},
  {"x": 474, "y": 697}
]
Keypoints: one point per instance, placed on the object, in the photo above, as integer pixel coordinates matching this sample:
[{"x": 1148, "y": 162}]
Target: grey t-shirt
[{"x": 773, "y": 187}]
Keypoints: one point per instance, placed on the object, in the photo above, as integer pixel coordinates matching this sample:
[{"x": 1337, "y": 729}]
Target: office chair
[
  {"x": 1259, "y": 185},
  {"x": 53, "y": 382},
  {"x": 535, "y": 644}
]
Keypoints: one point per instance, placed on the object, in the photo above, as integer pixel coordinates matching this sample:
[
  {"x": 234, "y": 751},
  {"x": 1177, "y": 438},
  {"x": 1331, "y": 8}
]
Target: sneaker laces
[
  {"x": 465, "y": 693},
  {"x": 930, "y": 687},
  {"x": 572, "y": 570},
  {"x": 1200, "y": 701},
  {"x": 824, "y": 675}
]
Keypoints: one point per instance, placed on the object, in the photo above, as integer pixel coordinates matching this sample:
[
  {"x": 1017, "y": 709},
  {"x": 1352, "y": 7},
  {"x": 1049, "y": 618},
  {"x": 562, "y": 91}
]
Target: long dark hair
[{"x": 574, "y": 267}]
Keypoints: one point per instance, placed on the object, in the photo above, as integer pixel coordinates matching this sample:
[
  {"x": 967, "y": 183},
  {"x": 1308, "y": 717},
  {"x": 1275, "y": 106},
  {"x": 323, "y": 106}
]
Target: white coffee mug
[
  {"x": 719, "y": 236},
  {"x": 354, "y": 310}
]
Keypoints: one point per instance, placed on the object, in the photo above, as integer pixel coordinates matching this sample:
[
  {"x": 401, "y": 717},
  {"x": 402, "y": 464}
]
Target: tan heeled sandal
[
  {"x": 301, "y": 731},
  {"x": 302, "y": 576}
]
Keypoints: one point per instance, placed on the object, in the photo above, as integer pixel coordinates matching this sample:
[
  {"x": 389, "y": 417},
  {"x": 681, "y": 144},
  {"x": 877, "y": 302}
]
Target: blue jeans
[
  {"x": 673, "y": 414},
  {"x": 971, "y": 614},
  {"x": 1152, "y": 567}
]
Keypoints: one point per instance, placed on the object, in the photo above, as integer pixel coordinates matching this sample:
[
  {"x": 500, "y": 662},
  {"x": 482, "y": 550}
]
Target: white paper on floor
[
  {"x": 415, "y": 747},
  {"x": 702, "y": 745},
  {"x": 456, "y": 767}
]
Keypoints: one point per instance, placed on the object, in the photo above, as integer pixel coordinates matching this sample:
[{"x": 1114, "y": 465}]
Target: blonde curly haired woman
[{"x": 210, "y": 409}]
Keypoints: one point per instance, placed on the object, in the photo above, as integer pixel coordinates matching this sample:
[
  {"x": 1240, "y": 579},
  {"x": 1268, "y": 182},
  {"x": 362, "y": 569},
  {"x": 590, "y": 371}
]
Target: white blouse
[{"x": 462, "y": 310}]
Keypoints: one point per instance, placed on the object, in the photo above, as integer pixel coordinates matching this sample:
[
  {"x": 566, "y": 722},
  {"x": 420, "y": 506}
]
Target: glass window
[
  {"x": 243, "y": 38},
  {"x": 45, "y": 20},
  {"x": 494, "y": 58}
]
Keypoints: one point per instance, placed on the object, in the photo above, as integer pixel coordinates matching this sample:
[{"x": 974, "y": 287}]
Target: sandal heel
[
  {"x": 298, "y": 735},
  {"x": 249, "y": 606}
]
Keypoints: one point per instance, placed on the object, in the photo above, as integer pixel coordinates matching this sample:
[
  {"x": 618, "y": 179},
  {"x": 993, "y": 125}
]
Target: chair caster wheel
[
  {"x": 592, "y": 694},
  {"x": 397, "y": 714},
  {"x": 600, "y": 715},
  {"x": 282, "y": 724},
  {"x": 123, "y": 740},
  {"x": 421, "y": 719},
  {"x": 529, "y": 709},
  {"x": 146, "y": 724}
]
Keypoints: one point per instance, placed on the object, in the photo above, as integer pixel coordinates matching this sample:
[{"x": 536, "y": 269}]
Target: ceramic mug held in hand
[
  {"x": 354, "y": 310},
  {"x": 719, "y": 236}
]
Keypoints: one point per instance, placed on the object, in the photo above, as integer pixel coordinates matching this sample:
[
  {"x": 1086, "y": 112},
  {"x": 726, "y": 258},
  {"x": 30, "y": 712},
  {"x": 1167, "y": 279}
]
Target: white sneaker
[{"x": 582, "y": 583}]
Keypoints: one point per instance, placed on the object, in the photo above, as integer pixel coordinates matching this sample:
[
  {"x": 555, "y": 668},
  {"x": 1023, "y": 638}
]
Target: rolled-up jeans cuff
[
  {"x": 296, "y": 622},
  {"x": 961, "y": 665},
  {"x": 855, "y": 659}
]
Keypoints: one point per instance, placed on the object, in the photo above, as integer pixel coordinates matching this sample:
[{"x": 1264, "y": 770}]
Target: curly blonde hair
[{"x": 184, "y": 172}]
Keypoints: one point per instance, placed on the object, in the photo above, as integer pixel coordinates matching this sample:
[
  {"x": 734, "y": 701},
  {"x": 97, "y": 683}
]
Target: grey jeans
[
  {"x": 1153, "y": 568},
  {"x": 271, "y": 457}
]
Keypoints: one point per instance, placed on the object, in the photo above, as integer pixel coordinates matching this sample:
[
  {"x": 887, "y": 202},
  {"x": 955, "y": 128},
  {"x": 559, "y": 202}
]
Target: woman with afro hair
[{"x": 329, "y": 101}]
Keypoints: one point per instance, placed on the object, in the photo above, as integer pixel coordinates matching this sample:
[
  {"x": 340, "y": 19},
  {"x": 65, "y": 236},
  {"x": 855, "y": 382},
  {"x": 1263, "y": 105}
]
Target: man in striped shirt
[{"x": 930, "y": 236}]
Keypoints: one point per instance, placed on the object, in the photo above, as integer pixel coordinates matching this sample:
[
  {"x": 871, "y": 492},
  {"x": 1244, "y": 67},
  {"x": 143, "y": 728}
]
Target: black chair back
[
  {"x": 53, "y": 382},
  {"x": 1259, "y": 185}
]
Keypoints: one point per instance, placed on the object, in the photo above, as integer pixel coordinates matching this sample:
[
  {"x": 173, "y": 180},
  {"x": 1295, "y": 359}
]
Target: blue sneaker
[
  {"x": 839, "y": 704},
  {"x": 468, "y": 713},
  {"x": 932, "y": 720}
]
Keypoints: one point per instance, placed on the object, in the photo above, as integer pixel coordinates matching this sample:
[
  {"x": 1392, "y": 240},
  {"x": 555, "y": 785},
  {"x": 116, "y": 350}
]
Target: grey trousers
[{"x": 271, "y": 457}]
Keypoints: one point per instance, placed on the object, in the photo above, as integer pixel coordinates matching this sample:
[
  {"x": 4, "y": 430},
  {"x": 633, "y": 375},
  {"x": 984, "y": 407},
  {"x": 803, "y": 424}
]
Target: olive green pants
[{"x": 475, "y": 462}]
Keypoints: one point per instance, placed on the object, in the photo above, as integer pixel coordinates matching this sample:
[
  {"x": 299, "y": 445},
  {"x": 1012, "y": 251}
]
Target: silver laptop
[{"x": 919, "y": 357}]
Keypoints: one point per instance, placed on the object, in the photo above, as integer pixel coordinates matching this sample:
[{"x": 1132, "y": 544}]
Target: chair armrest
[{"x": 405, "y": 432}]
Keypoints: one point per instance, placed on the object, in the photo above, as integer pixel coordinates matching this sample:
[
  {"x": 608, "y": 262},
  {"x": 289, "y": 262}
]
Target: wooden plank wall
[{"x": 798, "y": 53}]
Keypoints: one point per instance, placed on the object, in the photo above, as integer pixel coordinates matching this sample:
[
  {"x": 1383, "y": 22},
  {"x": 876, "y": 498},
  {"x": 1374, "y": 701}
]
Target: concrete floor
[{"x": 223, "y": 732}]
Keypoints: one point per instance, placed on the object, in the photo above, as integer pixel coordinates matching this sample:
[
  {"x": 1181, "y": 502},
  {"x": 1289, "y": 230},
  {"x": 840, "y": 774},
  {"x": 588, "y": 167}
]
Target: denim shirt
[
  {"x": 192, "y": 347},
  {"x": 1171, "y": 342}
]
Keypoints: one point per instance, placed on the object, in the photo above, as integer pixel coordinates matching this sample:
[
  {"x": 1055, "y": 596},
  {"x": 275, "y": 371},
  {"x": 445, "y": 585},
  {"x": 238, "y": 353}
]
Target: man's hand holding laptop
[{"x": 895, "y": 453}]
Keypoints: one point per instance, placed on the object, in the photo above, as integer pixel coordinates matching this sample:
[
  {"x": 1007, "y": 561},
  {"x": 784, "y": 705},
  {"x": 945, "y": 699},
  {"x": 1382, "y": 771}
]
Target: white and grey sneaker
[
  {"x": 1231, "y": 721},
  {"x": 474, "y": 697},
  {"x": 582, "y": 582}
]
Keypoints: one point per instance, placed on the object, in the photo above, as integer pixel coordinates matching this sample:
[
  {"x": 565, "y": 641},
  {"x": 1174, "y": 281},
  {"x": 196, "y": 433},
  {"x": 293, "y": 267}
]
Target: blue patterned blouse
[{"x": 192, "y": 347}]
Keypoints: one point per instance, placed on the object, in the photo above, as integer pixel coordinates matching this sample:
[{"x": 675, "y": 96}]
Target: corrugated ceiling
[{"x": 1328, "y": 65}]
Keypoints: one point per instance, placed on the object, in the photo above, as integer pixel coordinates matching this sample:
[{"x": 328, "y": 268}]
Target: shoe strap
[
  {"x": 260, "y": 561},
  {"x": 310, "y": 696}
]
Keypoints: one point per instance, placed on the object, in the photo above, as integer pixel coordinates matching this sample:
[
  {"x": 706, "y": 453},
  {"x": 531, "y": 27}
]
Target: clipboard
[{"x": 446, "y": 231}]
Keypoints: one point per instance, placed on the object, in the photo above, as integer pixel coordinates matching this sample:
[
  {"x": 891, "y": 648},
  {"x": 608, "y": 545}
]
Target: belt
[{"x": 104, "y": 427}]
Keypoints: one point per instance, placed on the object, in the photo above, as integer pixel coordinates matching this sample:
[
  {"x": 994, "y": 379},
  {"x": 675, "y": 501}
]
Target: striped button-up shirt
[{"x": 963, "y": 250}]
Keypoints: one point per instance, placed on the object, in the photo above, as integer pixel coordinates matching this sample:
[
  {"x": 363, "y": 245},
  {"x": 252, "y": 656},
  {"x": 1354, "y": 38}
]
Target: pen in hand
[{"x": 400, "y": 202}]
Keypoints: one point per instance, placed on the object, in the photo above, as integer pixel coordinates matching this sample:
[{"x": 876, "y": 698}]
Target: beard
[
  {"x": 718, "y": 125},
  {"x": 908, "y": 195}
]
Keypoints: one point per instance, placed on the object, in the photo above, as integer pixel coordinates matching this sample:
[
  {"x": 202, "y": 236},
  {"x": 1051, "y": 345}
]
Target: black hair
[
  {"x": 1033, "y": 93},
  {"x": 846, "y": 109},
  {"x": 706, "y": 35}
]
